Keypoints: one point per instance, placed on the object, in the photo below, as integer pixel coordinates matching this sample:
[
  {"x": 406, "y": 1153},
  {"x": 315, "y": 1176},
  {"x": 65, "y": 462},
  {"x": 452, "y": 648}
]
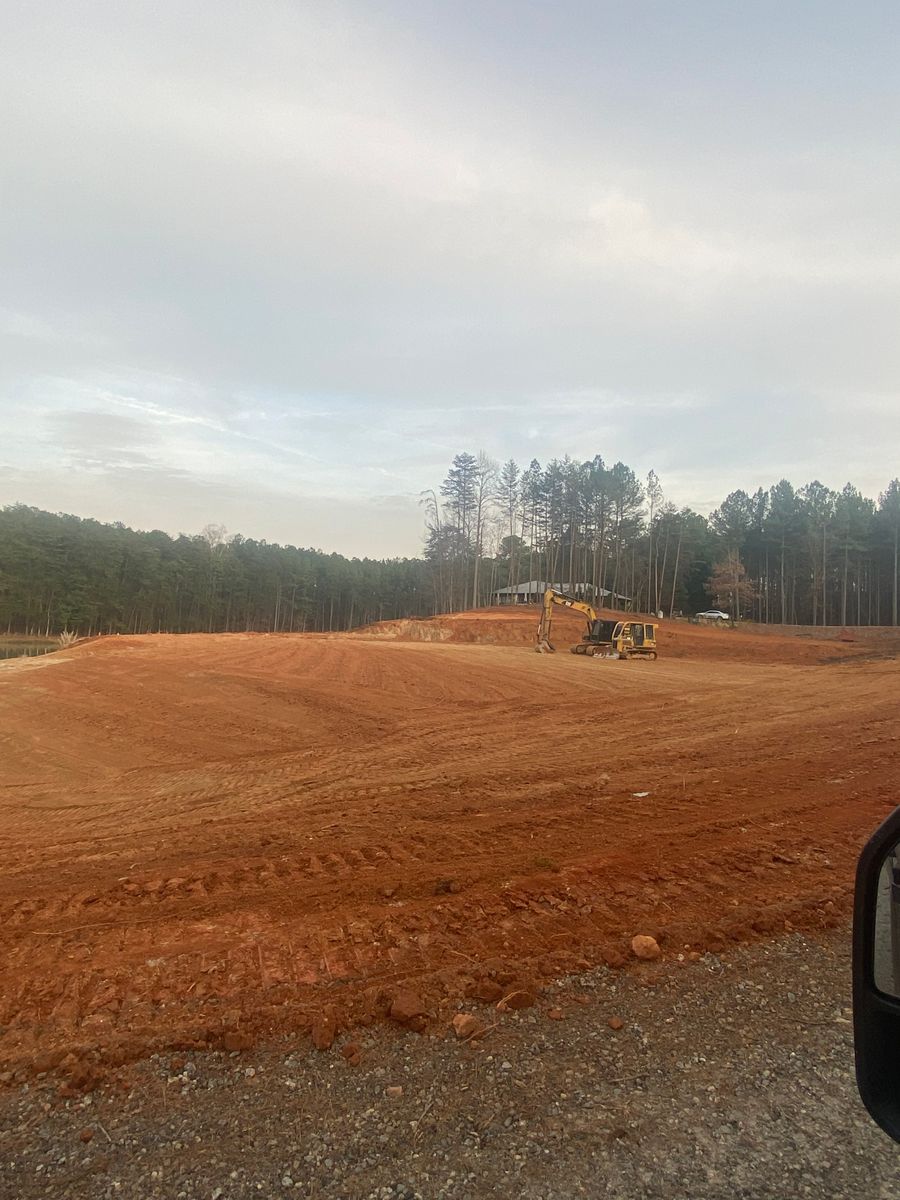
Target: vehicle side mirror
[{"x": 876, "y": 975}]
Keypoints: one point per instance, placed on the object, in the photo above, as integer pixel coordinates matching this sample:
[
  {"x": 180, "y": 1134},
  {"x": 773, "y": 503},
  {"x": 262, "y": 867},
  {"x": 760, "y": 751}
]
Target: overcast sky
[{"x": 272, "y": 264}]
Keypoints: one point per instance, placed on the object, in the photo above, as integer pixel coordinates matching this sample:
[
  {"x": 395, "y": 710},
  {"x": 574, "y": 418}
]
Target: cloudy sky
[{"x": 272, "y": 264}]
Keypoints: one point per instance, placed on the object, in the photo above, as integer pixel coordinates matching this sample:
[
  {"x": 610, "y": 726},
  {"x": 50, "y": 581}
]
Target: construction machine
[{"x": 609, "y": 639}]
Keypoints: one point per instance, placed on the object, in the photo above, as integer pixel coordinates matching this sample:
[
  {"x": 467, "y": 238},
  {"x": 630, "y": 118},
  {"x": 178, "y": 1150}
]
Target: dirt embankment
[
  {"x": 516, "y": 626},
  {"x": 209, "y": 839}
]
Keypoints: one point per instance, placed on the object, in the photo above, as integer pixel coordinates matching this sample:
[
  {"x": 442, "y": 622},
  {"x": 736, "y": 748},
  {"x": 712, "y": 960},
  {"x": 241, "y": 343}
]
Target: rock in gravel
[
  {"x": 406, "y": 1006},
  {"x": 467, "y": 1026},
  {"x": 645, "y": 947},
  {"x": 323, "y": 1031},
  {"x": 86, "y": 1135},
  {"x": 616, "y": 1023},
  {"x": 353, "y": 1053},
  {"x": 393, "y": 1093},
  {"x": 555, "y": 1014}
]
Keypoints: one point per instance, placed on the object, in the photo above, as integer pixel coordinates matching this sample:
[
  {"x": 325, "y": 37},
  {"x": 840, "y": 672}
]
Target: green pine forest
[{"x": 806, "y": 555}]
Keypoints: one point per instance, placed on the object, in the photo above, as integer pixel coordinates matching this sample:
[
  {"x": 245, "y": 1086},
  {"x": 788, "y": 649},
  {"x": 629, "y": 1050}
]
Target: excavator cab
[{"x": 600, "y": 631}]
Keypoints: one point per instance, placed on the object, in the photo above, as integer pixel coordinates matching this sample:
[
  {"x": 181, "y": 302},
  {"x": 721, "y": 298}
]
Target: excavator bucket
[{"x": 542, "y": 643}]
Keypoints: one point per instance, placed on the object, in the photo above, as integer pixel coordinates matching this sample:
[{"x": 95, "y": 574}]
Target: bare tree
[
  {"x": 729, "y": 581},
  {"x": 655, "y": 496},
  {"x": 485, "y": 478},
  {"x": 508, "y": 496}
]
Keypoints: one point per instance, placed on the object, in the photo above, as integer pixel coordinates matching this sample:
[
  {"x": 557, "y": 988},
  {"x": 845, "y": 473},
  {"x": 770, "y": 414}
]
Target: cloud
[
  {"x": 97, "y": 439},
  {"x": 312, "y": 254}
]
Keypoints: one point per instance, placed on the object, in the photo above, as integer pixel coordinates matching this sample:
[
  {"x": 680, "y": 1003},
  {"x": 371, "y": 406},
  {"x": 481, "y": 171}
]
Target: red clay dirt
[
  {"x": 516, "y": 626},
  {"x": 208, "y": 839}
]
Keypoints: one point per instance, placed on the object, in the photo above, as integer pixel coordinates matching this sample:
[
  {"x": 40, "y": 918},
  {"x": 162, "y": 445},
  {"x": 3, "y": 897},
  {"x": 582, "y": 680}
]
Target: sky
[{"x": 271, "y": 265}]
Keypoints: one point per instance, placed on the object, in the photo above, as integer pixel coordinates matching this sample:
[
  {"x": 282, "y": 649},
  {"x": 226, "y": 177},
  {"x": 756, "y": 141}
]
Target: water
[{"x": 26, "y": 649}]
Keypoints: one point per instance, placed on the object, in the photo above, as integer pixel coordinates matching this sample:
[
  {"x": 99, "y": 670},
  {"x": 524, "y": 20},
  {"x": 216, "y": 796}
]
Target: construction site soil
[{"x": 212, "y": 839}]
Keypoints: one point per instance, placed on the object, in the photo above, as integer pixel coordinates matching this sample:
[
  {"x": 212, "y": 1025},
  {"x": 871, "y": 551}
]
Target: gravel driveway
[{"x": 730, "y": 1077}]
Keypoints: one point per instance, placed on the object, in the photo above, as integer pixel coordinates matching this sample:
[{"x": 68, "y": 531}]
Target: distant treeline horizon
[{"x": 807, "y": 556}]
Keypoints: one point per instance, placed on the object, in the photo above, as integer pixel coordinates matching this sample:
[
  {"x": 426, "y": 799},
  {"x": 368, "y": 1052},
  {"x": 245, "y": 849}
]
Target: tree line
[
  {"x": 60, "y": 572},
  {"x": 807, "y": 555}
]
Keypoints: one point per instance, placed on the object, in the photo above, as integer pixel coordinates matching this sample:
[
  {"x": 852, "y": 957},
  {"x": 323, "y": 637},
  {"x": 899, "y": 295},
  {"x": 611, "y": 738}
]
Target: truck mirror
[{"x": 876, "y": 975}]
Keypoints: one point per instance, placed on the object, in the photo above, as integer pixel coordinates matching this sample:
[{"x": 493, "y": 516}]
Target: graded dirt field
[{"x": 208, "y": 839}]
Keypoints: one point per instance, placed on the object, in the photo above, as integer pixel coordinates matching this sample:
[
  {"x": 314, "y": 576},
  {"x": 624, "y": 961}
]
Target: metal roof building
[{"x": 533, "y": 590}]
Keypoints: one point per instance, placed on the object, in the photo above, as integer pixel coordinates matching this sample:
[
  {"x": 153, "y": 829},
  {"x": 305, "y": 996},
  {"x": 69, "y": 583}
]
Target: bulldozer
[{"x": 603, "y": 638}]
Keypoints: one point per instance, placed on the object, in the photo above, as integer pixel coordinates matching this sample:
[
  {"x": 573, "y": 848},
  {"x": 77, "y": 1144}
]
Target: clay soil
[{"x": 207, "y": 840}]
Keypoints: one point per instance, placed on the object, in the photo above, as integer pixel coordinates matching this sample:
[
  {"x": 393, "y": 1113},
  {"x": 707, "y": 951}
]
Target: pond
[{"x": 25, "y": 649}]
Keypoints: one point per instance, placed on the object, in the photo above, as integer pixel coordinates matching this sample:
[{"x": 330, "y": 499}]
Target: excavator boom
[{"x": 551, "y": 597}]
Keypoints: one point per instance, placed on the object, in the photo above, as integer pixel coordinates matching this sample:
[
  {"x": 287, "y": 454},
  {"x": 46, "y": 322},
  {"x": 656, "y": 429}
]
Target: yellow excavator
[{"x": 608, "y": 639}]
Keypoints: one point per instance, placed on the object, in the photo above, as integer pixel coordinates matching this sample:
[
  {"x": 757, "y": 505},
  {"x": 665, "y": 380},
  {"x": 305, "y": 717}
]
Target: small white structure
[{"x": 532, "y": 592}]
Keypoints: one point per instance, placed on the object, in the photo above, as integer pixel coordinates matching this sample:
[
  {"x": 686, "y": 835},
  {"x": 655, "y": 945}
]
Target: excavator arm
[{"x": 552, "y": 597}]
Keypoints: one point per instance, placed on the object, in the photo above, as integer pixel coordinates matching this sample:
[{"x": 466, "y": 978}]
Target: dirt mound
[
  {"x": 408, "y": 629},
  {"x": 210, "y": 839},
  {"x": 677, "y": 639}
]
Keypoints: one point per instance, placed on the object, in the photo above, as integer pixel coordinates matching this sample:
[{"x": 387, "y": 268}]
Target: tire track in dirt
[{"x": 308, "y": 821}]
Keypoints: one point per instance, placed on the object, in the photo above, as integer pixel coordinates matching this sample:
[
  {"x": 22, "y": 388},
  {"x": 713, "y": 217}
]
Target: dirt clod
[
  {"x": 465, "y": 1025},
  {"x": 645, "y": 947},
  {"x": 236, "y": 1040},
  {"x": 323, "y": 1031},
  {"x": 488, "y": 991},
  {"x": 407, "y": 1007},
  {"x": 517, "y": 1000}
]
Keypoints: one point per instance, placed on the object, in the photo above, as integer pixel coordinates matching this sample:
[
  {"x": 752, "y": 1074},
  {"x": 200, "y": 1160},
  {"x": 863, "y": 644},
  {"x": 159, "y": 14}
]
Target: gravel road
[{"x": 730, "y": 1077}]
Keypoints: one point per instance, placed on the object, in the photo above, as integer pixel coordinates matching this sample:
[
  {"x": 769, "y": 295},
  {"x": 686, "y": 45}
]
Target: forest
[
  {"x": 60, "y": 572},
  {"x": 806, "y": 555}
]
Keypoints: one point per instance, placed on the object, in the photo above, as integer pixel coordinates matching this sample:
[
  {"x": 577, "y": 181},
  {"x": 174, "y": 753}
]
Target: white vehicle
[{"x": 713, "y": 614}]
